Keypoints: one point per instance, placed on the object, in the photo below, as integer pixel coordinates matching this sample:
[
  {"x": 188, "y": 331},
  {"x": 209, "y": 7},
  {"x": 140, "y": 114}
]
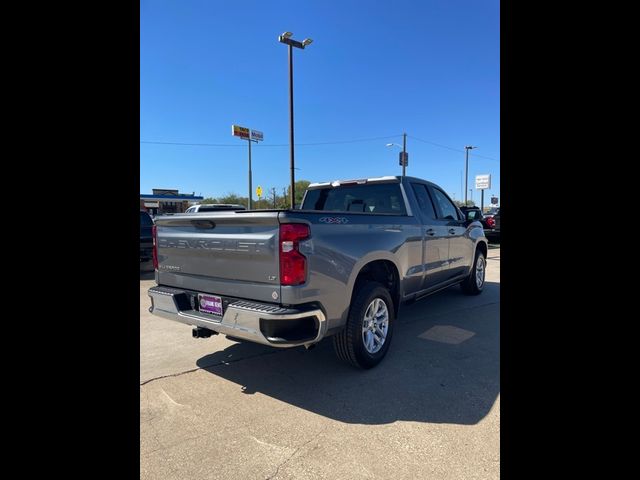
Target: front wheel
[
  {"x": 474, "y": 283},
  {"x": 366, "y": 337}
]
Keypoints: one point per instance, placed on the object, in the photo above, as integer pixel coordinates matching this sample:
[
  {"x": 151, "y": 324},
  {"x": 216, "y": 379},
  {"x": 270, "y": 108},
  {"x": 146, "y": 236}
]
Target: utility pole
[
  {"x": 466, "y": 170},
  {"x": 404, "y": 156},
  {"x": 273, "y": 192},
  {"x": 482, "y": 200},
  {"x": 250, "y": 191},
  {"x": 404, "y": 153}
]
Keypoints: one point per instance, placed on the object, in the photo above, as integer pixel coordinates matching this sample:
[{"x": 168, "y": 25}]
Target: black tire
[
  {"x": 349, "y": 344},
  {"x": 471, "y": 285}
]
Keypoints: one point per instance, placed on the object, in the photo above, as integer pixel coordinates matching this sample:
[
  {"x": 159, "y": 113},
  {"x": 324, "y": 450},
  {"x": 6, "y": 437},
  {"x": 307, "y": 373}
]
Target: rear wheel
[
  {"x": 474, "y": 283},
  {"x": 366, "y": 337}
]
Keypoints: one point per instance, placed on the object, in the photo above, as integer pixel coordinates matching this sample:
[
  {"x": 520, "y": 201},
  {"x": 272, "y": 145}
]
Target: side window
[
  {"x": 447, "y": 209},
  {"x": 424, "y": 201}
]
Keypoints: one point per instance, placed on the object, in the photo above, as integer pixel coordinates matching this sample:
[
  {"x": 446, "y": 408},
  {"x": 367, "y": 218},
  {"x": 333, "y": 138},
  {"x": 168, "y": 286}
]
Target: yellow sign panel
[
  {"x": 238, "y": 131},
  {"x": 259, "y": 191}
]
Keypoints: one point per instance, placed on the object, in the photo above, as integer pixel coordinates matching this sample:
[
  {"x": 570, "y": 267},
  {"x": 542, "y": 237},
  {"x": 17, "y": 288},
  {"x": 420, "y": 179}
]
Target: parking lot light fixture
[
  {"x": 287, "y": 40},
  {"x": 466, "y": 170}
]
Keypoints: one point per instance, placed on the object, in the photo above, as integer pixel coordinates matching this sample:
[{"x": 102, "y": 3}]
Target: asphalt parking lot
[{"x": 217, "y": 409}]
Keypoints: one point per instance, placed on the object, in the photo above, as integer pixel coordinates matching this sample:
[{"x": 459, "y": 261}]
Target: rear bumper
[{"x": 263, "y": 323}]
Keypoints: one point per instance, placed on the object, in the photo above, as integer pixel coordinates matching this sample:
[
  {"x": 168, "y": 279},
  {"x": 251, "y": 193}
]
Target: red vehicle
[
  {"x": 490, "y": 221},
  {"x": 492, "y": 226}
]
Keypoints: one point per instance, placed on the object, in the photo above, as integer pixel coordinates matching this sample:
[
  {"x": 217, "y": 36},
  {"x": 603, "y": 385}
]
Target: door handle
[
  {"x": 452, "y": 231},
  {"x": 431, "y": 232}
]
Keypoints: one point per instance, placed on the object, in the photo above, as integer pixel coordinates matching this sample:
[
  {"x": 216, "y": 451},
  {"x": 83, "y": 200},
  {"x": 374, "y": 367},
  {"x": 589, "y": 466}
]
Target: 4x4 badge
[{"x": 337, "y": 220}]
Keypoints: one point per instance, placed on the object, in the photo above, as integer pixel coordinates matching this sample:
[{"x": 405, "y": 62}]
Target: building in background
[{"x": 164, "y": 200}]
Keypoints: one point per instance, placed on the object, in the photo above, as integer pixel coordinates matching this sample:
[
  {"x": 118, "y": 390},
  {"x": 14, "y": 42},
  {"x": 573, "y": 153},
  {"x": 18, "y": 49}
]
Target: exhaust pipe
[{"x": 199, "y": 332}]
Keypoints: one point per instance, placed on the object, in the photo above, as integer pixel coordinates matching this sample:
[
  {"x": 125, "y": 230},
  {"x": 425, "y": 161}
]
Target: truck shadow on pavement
[
  {"x": 443, "y": 367},
  {"x": 147, "y": 274}
]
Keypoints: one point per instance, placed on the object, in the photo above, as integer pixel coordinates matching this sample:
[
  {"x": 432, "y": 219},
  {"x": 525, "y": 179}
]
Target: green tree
[
  {"x": 266, "y": 203},
  {"x": 301, "y": 187},
  {"x": 262, "y": 204},
  {"x": 233, "y": 198}
]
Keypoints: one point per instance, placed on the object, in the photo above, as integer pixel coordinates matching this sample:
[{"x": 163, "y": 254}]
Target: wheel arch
[{"x": 382, "y": 270}]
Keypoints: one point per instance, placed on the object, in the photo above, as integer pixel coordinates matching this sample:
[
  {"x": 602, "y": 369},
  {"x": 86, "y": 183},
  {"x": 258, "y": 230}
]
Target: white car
[{"x": 214, "y": 207}]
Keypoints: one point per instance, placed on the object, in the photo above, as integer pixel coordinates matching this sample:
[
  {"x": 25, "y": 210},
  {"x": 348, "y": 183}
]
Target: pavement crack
[
  {"x": 221, "y": 362},
  {"x": 170, "y": 375},
  {"x": 314, "y": 437}
]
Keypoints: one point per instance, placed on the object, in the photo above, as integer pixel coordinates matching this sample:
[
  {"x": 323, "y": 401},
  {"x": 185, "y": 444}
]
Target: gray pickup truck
[{"x": 339, "y": 266}]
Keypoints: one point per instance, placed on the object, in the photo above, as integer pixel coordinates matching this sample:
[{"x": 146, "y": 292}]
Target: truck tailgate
[{"x": 221, "y": 253}]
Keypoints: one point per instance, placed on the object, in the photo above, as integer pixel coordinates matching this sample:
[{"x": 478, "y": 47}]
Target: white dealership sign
[
  {"x": 483, "y": 182},
  {"x": 257, "y": 136}
]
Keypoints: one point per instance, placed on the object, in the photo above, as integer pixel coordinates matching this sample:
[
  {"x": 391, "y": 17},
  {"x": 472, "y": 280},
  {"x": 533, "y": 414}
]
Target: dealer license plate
[{"x": 210, "y": 304}]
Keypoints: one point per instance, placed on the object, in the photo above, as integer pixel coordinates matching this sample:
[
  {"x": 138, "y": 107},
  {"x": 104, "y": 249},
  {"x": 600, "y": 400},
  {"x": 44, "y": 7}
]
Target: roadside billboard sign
[
  {"x": 238, "y": 131},
  {"x": 483, "y": 182},
  {"x": 257, "y": 136}
]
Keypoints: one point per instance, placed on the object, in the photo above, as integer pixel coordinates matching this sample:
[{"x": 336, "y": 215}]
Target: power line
[
  {"x": 341, "y": 141},
  {"x": 270, "y": 145},
  {"x": 436, "y": 144},
  {"x": 337, "y": 142},
  {"x": 197, "y": 144},
  {"x": 452, "y": 148},
  {"x": 482, "y": 156}
]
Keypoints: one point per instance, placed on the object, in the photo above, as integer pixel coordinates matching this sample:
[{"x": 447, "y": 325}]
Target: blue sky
[{"x": 375, "y": 69}]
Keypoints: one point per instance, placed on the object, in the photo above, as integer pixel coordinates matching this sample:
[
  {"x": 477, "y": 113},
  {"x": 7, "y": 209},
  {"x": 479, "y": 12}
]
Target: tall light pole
[
  {"x": 286, "y": 39},
  {"x": 466, "y": 170},
  {"x": 404, "y": 159}
]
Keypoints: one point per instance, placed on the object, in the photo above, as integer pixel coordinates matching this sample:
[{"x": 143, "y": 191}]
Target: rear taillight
[
  {"x": 293, "y": 265},
  {"x": 491, "y": 222},
  {"x": 154, "y": 234}
]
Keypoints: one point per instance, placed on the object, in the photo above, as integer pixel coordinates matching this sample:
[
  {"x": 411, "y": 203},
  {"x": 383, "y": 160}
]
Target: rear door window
[
  {"x": 447, "y": 210},
  {"x": 424, "y": 201}
]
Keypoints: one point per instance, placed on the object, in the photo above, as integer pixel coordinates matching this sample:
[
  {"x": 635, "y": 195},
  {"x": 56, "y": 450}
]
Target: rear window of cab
[{"x": 379, "y": 198}]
